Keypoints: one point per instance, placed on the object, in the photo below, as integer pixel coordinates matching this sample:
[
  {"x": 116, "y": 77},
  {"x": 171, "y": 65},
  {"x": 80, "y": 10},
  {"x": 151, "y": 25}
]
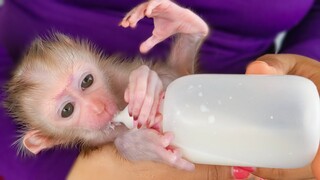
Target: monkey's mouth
[
  {"x": 103, "y": 120},
  {"x": 112, "y": 124}
]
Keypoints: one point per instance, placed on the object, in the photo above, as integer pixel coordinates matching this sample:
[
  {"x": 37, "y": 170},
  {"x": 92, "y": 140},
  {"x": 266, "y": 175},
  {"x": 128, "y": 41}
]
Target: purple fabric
[
  {"x": 304, "y": 39},
  {"x": 241, "y": 32}
]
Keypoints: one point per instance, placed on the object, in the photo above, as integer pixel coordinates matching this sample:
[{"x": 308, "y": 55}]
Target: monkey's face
[
  {"x": 80, "y": 99},
  {"x": 59, "y": 94}
]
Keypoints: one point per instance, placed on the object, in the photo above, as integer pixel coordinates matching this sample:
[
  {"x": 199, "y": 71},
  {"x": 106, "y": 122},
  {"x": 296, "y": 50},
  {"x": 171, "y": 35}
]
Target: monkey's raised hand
[
  {"x": 169, "y": 19},
  {"x": 149, "y": 144},
  {"x": 143, "y": 96}
]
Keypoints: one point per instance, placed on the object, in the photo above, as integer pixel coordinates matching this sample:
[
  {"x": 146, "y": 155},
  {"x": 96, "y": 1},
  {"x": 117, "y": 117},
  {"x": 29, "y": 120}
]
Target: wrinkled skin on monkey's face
[
  {"x": 75, "y": 92},
  {"x": 71, "y": 95},
  {"x": 83, "y": 100}
]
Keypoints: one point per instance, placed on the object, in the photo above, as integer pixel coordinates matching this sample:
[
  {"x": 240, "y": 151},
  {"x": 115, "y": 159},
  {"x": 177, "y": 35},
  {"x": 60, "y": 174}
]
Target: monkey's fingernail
[
  {"x": 139, "y": 125},
  {"x": 130, "y": 114},
  {"x": 135, "y": 118},
  {"x": 170, "y": 148}
]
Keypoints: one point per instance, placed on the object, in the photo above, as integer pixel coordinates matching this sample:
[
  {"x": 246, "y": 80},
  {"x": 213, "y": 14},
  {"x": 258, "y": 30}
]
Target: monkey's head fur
[{"x": 43, "y": 64}]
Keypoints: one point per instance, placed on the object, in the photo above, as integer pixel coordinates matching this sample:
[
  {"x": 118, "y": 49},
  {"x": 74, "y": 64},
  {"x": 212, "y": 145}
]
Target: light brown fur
[{"x": 51, "y": 56}]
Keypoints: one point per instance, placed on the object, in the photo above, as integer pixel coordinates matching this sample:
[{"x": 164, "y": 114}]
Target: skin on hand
[
  {"x": 148, "y": 144},
  {"x": 281, "y": 64},
  {"x": 143, "y": 95},
  {"x": 165, "y": 14},
  {"x": 145, "y": 89}
]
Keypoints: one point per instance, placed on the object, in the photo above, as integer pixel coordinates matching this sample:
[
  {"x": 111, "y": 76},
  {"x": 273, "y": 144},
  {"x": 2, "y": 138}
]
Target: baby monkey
[{"x": 66, "y": 92}]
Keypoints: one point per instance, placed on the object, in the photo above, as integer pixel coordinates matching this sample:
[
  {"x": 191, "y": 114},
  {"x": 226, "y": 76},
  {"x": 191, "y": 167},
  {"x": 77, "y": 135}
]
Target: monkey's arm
[
  {"x": 145, "y": 86},
  {"x": 144, "y": 94},
  {"x": 86, "y": 167},
  {"x": 171, "y": 19}
]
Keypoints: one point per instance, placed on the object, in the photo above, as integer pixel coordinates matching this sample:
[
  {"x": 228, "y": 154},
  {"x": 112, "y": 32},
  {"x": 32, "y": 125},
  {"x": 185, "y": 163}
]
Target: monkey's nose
[{"x": 97, "y": 107}]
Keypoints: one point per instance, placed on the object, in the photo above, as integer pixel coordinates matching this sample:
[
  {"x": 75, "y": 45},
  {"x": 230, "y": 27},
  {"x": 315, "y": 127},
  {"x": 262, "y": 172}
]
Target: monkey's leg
[{"x": 170, "y": 19}]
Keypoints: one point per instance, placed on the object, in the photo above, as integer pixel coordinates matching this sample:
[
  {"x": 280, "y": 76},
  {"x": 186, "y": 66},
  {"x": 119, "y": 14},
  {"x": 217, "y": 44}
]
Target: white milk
[{"x": 243, "y": 120}]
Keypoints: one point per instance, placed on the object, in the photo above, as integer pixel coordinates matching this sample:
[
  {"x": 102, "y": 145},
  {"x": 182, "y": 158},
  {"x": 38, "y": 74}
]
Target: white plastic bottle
[{"x": 243, "y": 120}]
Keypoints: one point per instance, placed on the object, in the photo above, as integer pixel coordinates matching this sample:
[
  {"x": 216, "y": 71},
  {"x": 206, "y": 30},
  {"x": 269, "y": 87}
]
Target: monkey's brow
[{"x": 62, "y": 91}]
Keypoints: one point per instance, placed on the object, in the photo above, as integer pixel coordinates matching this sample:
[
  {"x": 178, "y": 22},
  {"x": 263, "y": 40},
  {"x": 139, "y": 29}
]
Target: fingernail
[
  {"x": 139, "y": 125},
  {"x": 130, "y": 114},
  {"x": 156, "y": 127},
  {"x": 169, "y": 148},
  {"x": 135, "y": 118},
  {"x": 249, "y": 169},
  {"x": 239, "y": 173}
]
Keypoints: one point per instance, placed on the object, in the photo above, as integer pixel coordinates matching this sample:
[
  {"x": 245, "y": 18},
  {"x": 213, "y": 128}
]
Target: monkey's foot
[
  {"x": 169, "y": 19},
  {"x": 148, "y": 144}
]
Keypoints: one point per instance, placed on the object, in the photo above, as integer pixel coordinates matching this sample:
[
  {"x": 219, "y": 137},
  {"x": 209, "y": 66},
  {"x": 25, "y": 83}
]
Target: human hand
[{"x": 281, "y": 64}]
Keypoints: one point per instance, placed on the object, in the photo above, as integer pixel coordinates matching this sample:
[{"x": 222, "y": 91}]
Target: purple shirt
[{"x": 240, "y": 32}]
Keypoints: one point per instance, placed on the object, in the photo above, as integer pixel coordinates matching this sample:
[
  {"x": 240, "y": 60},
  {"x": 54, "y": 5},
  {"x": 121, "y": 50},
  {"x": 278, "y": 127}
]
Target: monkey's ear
[{"x": 35, "y": 141}]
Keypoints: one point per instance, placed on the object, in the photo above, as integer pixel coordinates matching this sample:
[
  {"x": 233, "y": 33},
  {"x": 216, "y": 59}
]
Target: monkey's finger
[
  {"x": 156, "y": 104},
  {"x": 138, "y": 94},
  {"x": 132, "y": 86},
  {"x": 151, "y": 6},
  {"x": 150, "y": 43},
  {"x": 174, "y": 158},
  {"x": 125, "y": 21},
  {"x": 137, "y": 15},
  {"x": 166, "y": 139},
  {"x": 127, "y": 95},
  {"x": 157, "y": 123},
  {"x": 130, "y": 92},
  {"x": 158, "y": 7},
  {"x": 151, "y": 96},
  {"x": 152, "y": 116},
  {"x": 181, "y": 163},
  {"x": 135, "y": 124},
  {"x": 159, "y": 117}
]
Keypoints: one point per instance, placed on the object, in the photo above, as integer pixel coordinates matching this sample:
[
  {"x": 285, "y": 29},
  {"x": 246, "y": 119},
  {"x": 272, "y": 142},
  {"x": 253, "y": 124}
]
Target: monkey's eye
[
  {"x": 87, "y": 82},
  {"x": 67, "y": 110}
]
